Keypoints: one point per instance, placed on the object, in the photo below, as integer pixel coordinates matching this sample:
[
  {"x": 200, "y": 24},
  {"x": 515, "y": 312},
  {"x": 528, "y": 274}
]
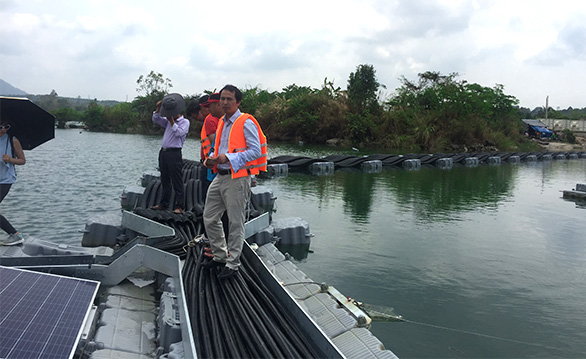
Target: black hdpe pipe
[
  {"x": 284, "y": 334},
  {"x": 268, "y": 302},
  {"x": 264, "y": 325},
  {"x": 244, "y": 329},
  {"x": 185, "y": 231},
  {"x": 240, "y": 331},
  {"x": 214, "y": 320},
  {"x": 274, "y": 324},
  {"x": 202, "y": 332},
  {"x": 237, "y": 317},
  {"x": 221, "y": 321},
  {"x": 250, "y": 322},
  {"x": 234, "y": 345},
  {"x": 232, "y": 326}
]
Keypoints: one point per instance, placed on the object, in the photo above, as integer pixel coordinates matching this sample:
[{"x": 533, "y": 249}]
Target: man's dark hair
[
  {"x": 192, "y": 108},
  {"x": 232, "y": 88}
]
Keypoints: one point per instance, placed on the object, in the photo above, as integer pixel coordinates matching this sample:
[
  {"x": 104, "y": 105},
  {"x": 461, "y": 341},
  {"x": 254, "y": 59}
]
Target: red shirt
[{"x": 210, "y": 124}]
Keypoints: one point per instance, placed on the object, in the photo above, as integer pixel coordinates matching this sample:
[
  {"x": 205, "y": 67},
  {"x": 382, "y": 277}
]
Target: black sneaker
[{"x": 227, "y": 273}]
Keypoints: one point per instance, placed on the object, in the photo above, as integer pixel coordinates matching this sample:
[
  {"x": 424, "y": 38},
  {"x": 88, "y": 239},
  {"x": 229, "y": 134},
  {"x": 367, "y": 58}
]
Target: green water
[
  {"x": 492, "y": 254},
  {"x": 485, "y": 262}
]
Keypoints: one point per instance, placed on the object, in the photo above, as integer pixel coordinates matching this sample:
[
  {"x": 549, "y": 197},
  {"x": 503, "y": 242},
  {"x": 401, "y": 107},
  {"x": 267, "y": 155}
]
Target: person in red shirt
[{"x": 211, "y": 105}]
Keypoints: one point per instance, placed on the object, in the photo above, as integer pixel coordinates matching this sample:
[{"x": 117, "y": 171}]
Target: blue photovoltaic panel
[{"x": 42, "y": 315}]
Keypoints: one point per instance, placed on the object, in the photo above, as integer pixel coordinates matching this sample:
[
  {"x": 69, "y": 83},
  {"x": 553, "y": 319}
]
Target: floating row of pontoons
[{"x": 374, "y": 163}]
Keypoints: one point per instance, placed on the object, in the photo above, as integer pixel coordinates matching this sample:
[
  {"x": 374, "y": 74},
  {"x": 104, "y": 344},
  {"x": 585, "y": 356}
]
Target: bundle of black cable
[
  {"x": 238, "y": 317},
  {"x": 187, "y": 226}
]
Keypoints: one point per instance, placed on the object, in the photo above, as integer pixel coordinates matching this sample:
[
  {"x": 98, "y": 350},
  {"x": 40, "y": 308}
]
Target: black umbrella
[{"x": 29, "y": 123}]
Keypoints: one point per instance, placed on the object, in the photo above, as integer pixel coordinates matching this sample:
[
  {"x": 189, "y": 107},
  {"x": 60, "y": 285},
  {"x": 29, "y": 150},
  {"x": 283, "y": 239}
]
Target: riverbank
[{"x": 580, "y": 145}]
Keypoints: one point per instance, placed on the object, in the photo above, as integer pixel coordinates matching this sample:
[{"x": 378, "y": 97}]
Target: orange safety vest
[
  {"x": 237, "y": 143},
  {"x": 206, "y": 144}
]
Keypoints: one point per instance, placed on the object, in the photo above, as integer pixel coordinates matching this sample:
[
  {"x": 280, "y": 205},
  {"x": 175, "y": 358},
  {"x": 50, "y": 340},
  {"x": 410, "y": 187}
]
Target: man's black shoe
[
  {"x": 213, "y": 264},
  {"x": 227, "y": 273}
]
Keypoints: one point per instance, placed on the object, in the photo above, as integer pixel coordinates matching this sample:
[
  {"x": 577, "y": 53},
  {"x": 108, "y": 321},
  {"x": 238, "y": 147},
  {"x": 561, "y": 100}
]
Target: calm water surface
[{"x": 485, "y": 262}]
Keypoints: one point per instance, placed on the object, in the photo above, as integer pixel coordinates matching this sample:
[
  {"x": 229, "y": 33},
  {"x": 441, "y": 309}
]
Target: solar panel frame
[{"x": 42, "y": 315}]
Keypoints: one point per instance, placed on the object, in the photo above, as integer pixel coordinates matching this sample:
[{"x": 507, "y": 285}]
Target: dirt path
[{"x": 580, "y": 145}]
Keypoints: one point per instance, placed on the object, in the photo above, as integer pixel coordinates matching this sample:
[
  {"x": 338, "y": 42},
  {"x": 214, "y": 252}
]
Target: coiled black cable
[{"x": 234, "y": 318}]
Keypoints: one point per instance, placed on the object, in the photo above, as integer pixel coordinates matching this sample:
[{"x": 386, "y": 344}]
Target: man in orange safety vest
[{"x": 240, "y": 151}]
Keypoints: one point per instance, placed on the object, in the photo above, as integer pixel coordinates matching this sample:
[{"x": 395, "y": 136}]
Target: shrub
[{"x": 568, "y": 136}]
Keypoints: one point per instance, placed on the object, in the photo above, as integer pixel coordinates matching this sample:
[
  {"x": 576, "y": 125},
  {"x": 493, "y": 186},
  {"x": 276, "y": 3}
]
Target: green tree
[
  {"x": 121, "y": 118},
  {"x": 440, "y": 110},
  {"x": 254, "y": 97},
  {"x": 93, "y": 117},
  {"x": 303, "y": 113},
  {"x": 153, "y": 82},
  {"x": 65, "y": 114},
  {"x": 293, "y": 91},
  {"x": 151, "y": 88},
  {"x": 363, "y": 89},
  {"x": 365, "y": 110}
]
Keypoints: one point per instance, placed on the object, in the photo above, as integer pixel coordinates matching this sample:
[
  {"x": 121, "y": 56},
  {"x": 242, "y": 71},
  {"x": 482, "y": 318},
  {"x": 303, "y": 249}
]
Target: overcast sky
[{"x": 99, "y": 48}]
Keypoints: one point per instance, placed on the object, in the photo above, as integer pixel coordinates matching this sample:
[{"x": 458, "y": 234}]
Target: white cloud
[
  {"x": 99, "y": 48},
  {"x": 27, "y": 23}
]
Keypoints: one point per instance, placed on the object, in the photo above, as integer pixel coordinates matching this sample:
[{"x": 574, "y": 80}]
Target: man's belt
[
  {"x": 224, "y": 172},
  {"x": 171, "y": 149}
]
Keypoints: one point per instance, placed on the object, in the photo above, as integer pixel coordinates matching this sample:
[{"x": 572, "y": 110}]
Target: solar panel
[{"x": 42, "y": 315}]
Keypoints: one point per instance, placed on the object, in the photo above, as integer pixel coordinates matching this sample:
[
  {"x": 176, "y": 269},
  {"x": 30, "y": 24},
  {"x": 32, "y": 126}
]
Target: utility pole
[{"x": 546, "y": 106}]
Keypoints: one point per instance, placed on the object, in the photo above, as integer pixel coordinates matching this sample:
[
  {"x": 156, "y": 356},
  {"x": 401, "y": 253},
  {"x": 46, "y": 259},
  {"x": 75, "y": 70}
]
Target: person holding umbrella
[
  {"x": 23, "y": 127},
  {"x": 12, "y": 154}
]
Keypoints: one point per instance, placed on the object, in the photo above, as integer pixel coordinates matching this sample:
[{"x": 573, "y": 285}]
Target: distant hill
[
  {"x": 52, "y": 102},
  {"x": 7, "y": 89}
]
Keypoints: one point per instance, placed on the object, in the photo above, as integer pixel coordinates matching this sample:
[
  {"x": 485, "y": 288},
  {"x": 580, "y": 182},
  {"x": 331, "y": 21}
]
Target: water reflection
[
  {"x": 441, "y": 195},
  {"x": 358, "y": 194},
  {"x": 580, "y": 203},
  {"x": 431, "y": 194},
  {"x": 321, "y": 190}
]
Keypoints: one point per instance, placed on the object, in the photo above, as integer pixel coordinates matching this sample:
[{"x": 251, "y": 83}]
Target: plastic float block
[{"x": 412, "y": 164}]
